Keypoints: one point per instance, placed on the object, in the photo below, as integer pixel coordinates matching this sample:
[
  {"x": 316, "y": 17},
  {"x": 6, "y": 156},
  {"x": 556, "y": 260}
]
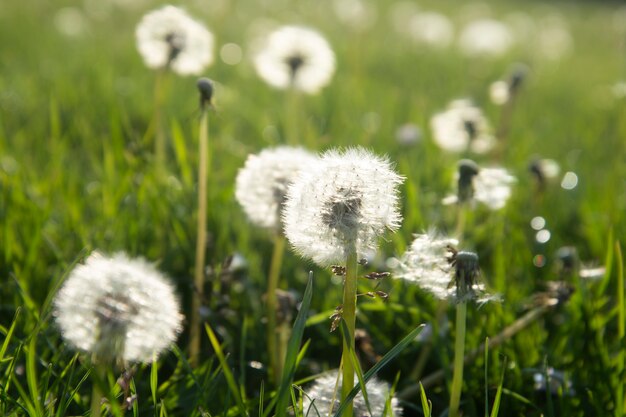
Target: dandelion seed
[
  {"x": 433, "y": 263},
  {"x": 262, "y": 183},
  {"x": 485, "y": 37},
  {"x": 351, "y": 198},
  {"x": 296, "y": 57},
  {"x": 169, "y": 38},
  {"x": 489, "y": 186},
  {"x": 462, "y": 126},
  {"x": 319, "y": 396},
  {"x": 117, "y": 309}
]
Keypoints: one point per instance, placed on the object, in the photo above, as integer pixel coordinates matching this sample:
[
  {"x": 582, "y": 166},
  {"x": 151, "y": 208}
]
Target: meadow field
[{"x": 80, "y": 119}]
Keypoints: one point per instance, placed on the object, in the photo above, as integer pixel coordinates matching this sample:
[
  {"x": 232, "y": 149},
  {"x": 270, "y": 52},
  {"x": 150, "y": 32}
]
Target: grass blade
[
  {"x": 230, "y": 379},
  {"x": 496, "y": 403},
  {"x": 292, "y": 350},
  {"x": 427, "y": 406},
  {"x": 356, "y": 365},
  {"x": 393, "y": 352},
  {"x": 154, "y": 378},
  {"x": 619, "y": 395},
  {"x": 9, "y": 334}
]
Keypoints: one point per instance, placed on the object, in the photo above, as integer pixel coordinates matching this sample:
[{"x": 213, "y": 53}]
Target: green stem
[
  {"x": 459, "y": 355},
  {"x": 96, "y": 392},
  {"x": 159, "y": 140},
  {"x": 292, "y": 124},
  {"x": 275, "y": 356},
  {"x": 198, "y": 293},
  {"x": 349, "y": 316}
]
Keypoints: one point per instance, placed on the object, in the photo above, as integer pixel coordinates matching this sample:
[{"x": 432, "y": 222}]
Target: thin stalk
[
  {"x": 198, "y": 293},
  {"x": 159, "y": 130},
  {"x": 349, "y": 316},
  {"x": 96, "y": 391},
  {"x": 292, "y": 112},
  {"x": 621, "y": 330},
  {"x": 459, "y": 355},
  {"x": 461, "y": 219},
  {"x": 274, "y": 353}
]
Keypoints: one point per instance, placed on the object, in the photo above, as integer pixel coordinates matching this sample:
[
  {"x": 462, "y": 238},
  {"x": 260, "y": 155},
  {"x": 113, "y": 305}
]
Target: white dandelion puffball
[
  {"x": 318, "y": 397},
  {"x": 431, "y": 263},
  {"x": 118, "y": 309},
  {"x": 462, "y": 126},
  {"x": 262, "y": 183},
  {"x": 485, "y": 37},
  {"x": 432, "y": 29},
  {"x": 349, "y": 199},
  {"x": 297, "y": 57},
  {"x": 169, "y": 38},
  {"x": 490, "y": 186}
]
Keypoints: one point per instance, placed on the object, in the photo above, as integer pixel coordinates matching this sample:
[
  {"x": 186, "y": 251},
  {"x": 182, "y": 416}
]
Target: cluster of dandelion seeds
[
  {"x": 117, "y": 309},
  {"x": 347, "y": 202},
  {"x": 295, "y": 57},
  {"x": 461, "y": 127},
  {"x": 169, "y": 38},
  {"x": 433, "y": 263},
  {"x": 319, "y": 396},
  {"x": 261, "y": 185}
]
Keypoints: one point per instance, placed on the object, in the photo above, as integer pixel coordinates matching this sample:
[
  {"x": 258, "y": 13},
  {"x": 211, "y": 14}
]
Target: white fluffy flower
[
  {"x": 297, "y": 57},
  {"x": 169, "y": 37},
  {"x": 262, "y": 183},
  {"x": 118, "y": 309},
  {"x": 485, "y": 37},
  {"x": 462, "y": 126},
  {"x": 433, "y": 263},
  {"x": 489, "y": 186},
  {"x": 432, "y": 29},
  {"x": 318, "y": 398},
  {"x": 499, "y": 93},
  {"x": 350, "y": 198}
]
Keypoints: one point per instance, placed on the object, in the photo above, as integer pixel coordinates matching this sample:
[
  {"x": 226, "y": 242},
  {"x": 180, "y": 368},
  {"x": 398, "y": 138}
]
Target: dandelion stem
[
  {"x": 159, "y": 139},
  {"x": 349, "y": 316},
  {"x": 198, "y": 294},
  {"x": 293, "y": 117},
  {"x": 459, "y": 355},
  {"x": 96, "y": 391},
  {"x": 275, "y": 356}
]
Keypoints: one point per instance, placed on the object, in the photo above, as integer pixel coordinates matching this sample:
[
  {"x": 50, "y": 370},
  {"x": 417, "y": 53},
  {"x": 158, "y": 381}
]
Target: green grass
[{"x": 77, "y": 174}]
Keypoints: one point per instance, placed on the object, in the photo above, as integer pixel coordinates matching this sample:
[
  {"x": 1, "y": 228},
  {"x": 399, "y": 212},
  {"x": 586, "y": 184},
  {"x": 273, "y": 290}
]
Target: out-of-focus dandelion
[
  {"x": 408, "y": 134},
  {"x": 296, "y": 57},
  {"x": 619, "y": 90},
  {"x": 431, "y": 29},
  {"x": 358, "y": 15},
  {"x": 261, "y": 189},
  {"x": 462, "y": 127},
  {"x": 544, "y": 170},
  {"x": 70, "y": 21},
  {"x": 335, "y": 214},
  {"x": 489, "y": 186},
  {"x": 261, "y": 185},
  {"x": 118, "y": 310},
  {"x": 502, "y": 92},
  {"x": 485, "y": 37},
  {"x": 436, "y": 265},
  {"x": 321, "y": 399},
  {"x": 553, "y": 38},
  {"x": 169, "y": 38}
]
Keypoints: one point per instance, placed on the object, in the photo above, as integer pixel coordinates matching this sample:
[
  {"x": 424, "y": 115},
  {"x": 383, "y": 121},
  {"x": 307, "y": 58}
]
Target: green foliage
[{"x": 77, "y": 174}]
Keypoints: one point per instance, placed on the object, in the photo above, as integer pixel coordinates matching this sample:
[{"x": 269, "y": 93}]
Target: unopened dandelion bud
[
  {"x": 466, "y": 271},
  {"x": 468, "y": 169},
  {"x": 205, "y": 87},
  {"x": 518, "y": 75}
]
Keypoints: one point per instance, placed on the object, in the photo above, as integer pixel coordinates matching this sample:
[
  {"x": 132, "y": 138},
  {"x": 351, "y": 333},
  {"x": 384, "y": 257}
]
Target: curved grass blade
[
  {"x": 496, "y": 403},
  {"x": 393, "y": 352}
]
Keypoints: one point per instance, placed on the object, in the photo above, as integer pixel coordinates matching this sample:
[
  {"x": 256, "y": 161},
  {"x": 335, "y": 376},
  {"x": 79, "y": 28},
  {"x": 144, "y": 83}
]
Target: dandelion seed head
[
  {"x": 351, "y": 198},
  {"x": 462, "y": 126},
  {"x": 117, "y": 309},
  {"x": 490, "y": 186},
  {"x": 434, "y": 265},
  {"x": 432, "y": 29},
  {"x": 169, "y": 37},
  {"x": 485, "y": 37},
  {"x": 261, "y": 184},
  {"x": 319, "y": 396},
  {"x": 298, "y": 57}
]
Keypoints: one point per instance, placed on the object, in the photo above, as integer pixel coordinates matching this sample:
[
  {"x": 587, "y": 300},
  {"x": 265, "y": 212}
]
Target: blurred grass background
[{"x": 77, "y": 174}]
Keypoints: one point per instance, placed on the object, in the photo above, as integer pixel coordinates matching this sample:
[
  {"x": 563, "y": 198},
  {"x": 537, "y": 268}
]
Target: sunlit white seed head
[
  {"x": 499, "y": 92},
  {"x": 553, "y": 38},
  {"x": 462, "y": 126},
  {"x": 261, "y": 184},
  {"x": 295, "y": 57},
  {"x": 169, "y": 38},
  {"x": 433, "y": 263},
  {"x": 358, "y": 15},
  {"x": 490, "y": 186},
  {"x": 317, "y": 398},
  {"x": 544, "y": 169},
  {"x": 485, "y": 37},
  {"x": 432, "y": 29},
  {"x": 117, "y": 309},
  {"x": 349, "y": 199}
]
